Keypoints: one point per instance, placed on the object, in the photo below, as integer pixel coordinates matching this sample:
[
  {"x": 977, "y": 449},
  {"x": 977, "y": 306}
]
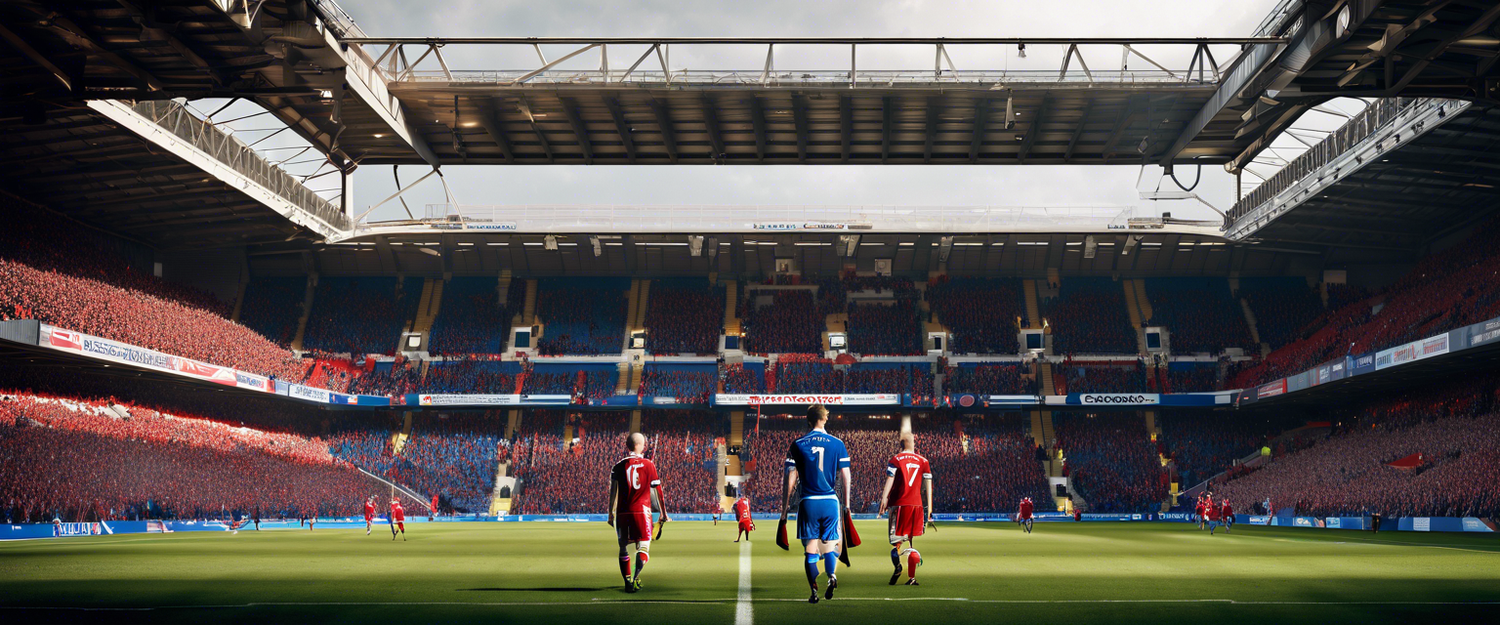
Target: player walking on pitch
[
  {"x": 398, "y": 519},
  {"x": 902, "y": 496},
  {"x": 632, "y": 482},
  {"x": 742, "y": 516},
  {"x": 369, "y": 514},
  {"x": 1023, "y": 516},
  {"x": 818, "y": 460}
]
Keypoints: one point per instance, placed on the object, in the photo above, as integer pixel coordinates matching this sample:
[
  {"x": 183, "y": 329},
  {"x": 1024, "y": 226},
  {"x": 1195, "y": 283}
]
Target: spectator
[
  {"x": 1088, "y": 316},
  {"x": 982, "y": 314},
  {"x": 581, "y": 316},
  {"x": 684, "y": 317}
]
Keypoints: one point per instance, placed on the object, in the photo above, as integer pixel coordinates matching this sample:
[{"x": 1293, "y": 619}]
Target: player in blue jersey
[{"x": 817, "y": 460}]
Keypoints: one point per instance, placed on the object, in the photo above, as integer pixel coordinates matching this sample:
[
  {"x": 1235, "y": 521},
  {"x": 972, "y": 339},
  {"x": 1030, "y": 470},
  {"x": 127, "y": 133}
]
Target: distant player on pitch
[
  {"x": 818, "y": 460},
  {"x": 398, "y": 519},
  {"x": 1023, "y": 516},
  {"x": 742, "y": 516},
  {"x": 631, "y": 484},
  {"x": 369, "y": 514},
  {"x": 905, "y": 476}
]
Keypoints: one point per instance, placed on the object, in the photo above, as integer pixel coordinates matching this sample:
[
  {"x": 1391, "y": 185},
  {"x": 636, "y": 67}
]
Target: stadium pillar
[{"x": 346, "y": 192}]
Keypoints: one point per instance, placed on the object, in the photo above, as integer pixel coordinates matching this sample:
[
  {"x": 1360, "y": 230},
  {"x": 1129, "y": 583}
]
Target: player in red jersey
[
  {"x": 1226, "y": 515},
  {"x": 631, "y": 485},
  {"x": 398, "y": 519},
  {"x": 369, "y": 514},
  {"x": 902, "y": 496},
  {"x": 742, "y": 515},
  {"x": 1023, "y": 516}
]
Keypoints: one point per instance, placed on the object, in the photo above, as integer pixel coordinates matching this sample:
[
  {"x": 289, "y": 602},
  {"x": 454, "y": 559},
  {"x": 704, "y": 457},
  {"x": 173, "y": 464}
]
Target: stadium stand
[
  {"x": 1203, "y": 444},
  {"x": 582, "y": 316},
  {"x": 989, "y": 378},
  {"x": 471, "y": 375},
  {"x": 915, "y": 379},
  {"x": 272, "y": 307},
  {"x": 1199, "y": 313},
  {"x": 878, "y": 329},
  {"x": 981, "y": 313},
  {"x": 1450, "y": 436},
  {"x": 1088, "y": 316},
  {"x": 789, "y": 324},
  {"x": 454, "y": 457},
  {"x": 1188, "y": 377},
  {"x": 1283, "y": 307},
  {"x": 801, "y": 373},
  {"x": 566, "y": 477},
  {"x": 684, "y": 317},
  {"x": 389, "y": 378},
  {"x": 749, "y": 377},
  {"x": 684, "y": 447},
  {"x": 981, "y": 465},
  {"x": 688, "y": 384},
  {"x": 1104, "y": 377},
  {"x": 1112, "y": 462},
  {"x": 471, "y": 320},
  {"x": 102, "y": 465},
  {"x": 361, "y": 315}
]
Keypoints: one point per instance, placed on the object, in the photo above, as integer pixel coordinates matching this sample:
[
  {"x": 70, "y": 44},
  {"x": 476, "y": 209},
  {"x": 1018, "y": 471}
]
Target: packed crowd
[
  {"x": 582, "y": 316},
  {"x": 1088, "y": 316},
  {"x": 471, "y": 319},
  {"x": 1199, "y": 313},
  {"x": 93, "y": 460},
  {"x": 688, "y": 384},
  {"x": 747, "y": 377},
  {"x": 472, "y": 375},
  {"x": 558, "y": 476},
  {"x": 1446, "y": 290},
  {"x": 139, "y": 318},
  {"x": 1204, "y": 444},
  {"x": 48, "y": 242},
  {"x": 795, "y": 373},
  {"x": 684, "y": 317},
  {"x": 1103, "y": 377},
  {"x": 982, "y": 314},
  {"x": 886, "y": 329},
  {"x": 1283, "y": 307},
  {"x": 990, "y": 378},
  {"x": 788, "y": 325},
  {"x": 389, "y": 379},
  {"x": 684, "y": 447},
  {"x": 900, "y": 287},
  {"x": 1454, "y": 428},
  {"x": 914, "y": 379},
  {"x": 361, "y": 315},
  {"x": 273, "y": 306},
  {"x": 453, "y": 457},
  {"x": 1188, "y": 377},
  {"x": 1112, "y": 462}
]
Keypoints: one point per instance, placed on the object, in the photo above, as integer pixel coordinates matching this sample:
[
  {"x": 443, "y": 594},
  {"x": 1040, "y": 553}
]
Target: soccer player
[
  {"x": 1023, "y": 516},
  {"x": 1211, "y": 512},
  {"x": 817, "y": 460},
  {"x": 742, "y": 515},
  {"x": 398, "y": 519},
  {"x": 1226, "y": 515},
  {"x": 715, "y": 508},
  {"x": 902, "y": 496},
  {"x": 632, "y": 482},
  {"x": 369, "y": 514},
  {"x": 256, "y": 517}
]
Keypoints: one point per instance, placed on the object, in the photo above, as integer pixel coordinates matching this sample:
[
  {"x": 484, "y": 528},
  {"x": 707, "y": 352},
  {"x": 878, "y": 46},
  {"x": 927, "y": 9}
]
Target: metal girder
[
  {"x": 758, "y": 124},
  {"x": 1083, "y": 122},
  {"x": 536, "y": 129},
  {"x": 664, "y": 123},
  {"x": 931, "y": 128},
  {"x": 580, "y": 131},
  {"x": 34, "y": 56},
  {"x": 887, "y": 116},
  {"x": 711, "y": 125},
  {"x": 1035, "y": 129},
  {"x": 799, "y": 121},
  {"x": 981, "y": 118},
  {"x": 489, "y": 118},
  {"x": 846, "y": 127},
  {"x": 621, "y": 127}
]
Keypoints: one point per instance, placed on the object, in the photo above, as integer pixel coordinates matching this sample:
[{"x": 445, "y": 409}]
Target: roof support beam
[
  {"x": 981, "y": 119},
  {"x": 758, "y": 121},
  {"x": 1035, "y": 128},
  {"x": 799, "y": 121},
  {"x": 615, "y": 113},
  {"x": 887, "y": 119},
  {"x": 932, "y": 124},
  {"x": 580, "y": 130},
  {"x": 536, "y": 129},
  {"x": 1083, "y": 122},
  {"x": 489, "y": 118},
  {"x": 664, "y": 125},
  {"x": 711, "y": 125},
  {"x": 846, "y": 126},
  {"x": 36, "y": 57}
]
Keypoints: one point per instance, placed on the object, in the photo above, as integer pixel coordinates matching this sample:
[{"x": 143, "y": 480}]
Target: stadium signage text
[
  {"x": 872, "y": 399},
  {"x": 1119, "y": 399},
  {"x": 432, "y": 399},
  {"x": 114, "y": 351}
]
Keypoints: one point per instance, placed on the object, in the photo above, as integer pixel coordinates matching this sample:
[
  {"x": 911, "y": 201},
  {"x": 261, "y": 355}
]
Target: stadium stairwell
[
  {"x": 528, "y": 312},
  {"x": 731, "y": 305},
  {"x": 1033, "y": 311},
  {"x": 622, "y": 380},
  {"x": 1265, "y": 349},
  {"x": 398, "y": 441},
  {"x": 1044, "y": 369},
  {"x": 427, "y": 311},
  {"x": 1134, "y": 295},
  {"x": 307, "y": 304},
  {"x": 635, "y": 421}
]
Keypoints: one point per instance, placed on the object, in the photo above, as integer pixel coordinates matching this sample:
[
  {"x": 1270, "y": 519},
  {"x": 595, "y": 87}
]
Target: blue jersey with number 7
[{"x": 817, "y": 458}]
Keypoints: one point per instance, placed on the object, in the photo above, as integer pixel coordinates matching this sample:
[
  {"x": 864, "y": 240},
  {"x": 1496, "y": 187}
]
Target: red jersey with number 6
[
  {"x": 908, "y": 469},
  {"x": 637, "y": 476}
]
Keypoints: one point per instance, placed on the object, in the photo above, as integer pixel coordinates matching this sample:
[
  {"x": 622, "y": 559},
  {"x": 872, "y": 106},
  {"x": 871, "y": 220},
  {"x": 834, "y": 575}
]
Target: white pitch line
[{"x": 744, "y": 608}]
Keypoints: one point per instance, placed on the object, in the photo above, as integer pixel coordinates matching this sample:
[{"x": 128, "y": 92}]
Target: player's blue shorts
[{"x": 818, "y": 519}]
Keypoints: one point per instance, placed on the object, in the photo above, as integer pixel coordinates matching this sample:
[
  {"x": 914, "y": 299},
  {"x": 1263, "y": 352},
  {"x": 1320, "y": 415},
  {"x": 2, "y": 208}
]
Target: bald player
[
  {"x": 632, "y": 483},
  {"x": 906, "y": 476}
]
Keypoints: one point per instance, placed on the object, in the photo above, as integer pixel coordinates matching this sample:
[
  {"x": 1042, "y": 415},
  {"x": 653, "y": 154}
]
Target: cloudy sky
[{"x": 1029, "y": 185}]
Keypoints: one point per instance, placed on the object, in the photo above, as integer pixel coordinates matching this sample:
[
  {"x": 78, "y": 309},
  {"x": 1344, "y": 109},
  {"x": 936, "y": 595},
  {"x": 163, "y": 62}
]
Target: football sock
[
  {"x": 912, "y": 560},
  {"x": 830, "y": 562},
  {"x": 625, "y": 566},
  {"x": 896, "y": 555},
  {"x": 811, "y": 567},
  {"x": 641, "y": 558}
]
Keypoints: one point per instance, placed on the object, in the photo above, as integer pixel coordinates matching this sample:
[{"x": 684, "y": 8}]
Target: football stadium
[{"x": 669, "y": 312}]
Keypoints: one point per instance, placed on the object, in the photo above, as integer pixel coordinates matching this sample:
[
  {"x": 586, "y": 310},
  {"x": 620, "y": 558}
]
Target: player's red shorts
[
  {"x": 907, "y": 522},
  {"x": 1023, "y": 516},
  {"x": 634, "y": 527},
  {"x": 400, "y": 518},
  {"x": 369, "y": 517},
  {"x": 746, "y": 524}
]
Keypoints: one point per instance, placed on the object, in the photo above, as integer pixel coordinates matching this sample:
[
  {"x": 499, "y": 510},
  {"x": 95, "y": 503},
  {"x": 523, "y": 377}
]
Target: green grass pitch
[{"x": 553, "y": 573}]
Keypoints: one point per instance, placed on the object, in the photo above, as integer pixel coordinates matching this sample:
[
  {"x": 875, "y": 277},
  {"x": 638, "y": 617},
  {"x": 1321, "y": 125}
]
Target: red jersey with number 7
[
  {"x": 908, "y": 469},
  {"x": 637, "y": 476}
]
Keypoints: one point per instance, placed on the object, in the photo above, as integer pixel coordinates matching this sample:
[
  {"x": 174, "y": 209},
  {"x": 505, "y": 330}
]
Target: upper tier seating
[
  {"x": 582, "y": 316},
  {"x": 981, "y": 313},
  {"x": 684, "y": 317},
  {"x": 361, "y": 315},
  {"x": 1200, "y": 314},
  {"x": 1088, "y": 316}
]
